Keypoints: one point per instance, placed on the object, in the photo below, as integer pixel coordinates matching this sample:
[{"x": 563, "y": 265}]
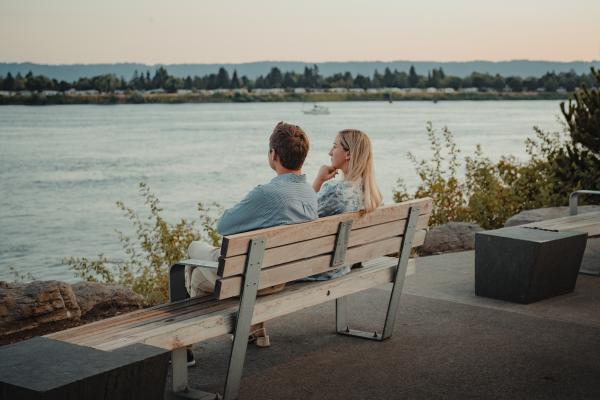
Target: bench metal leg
[
  {"x": 180, "y": 373},
  {"x": 181, "y": 390},
  {"x": 244, "y": 319},
  {"x": 341, "y": 304},
  {"x": 240, "y": 341}
]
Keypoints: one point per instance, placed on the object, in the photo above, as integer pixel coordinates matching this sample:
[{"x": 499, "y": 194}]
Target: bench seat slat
[
  {"x": 567, "y": 219},
  {"x": 130, "y": 318},
  {"x": 579, "y": 225},
  {"x": 132, "y": 331},
  {"x": 296, "y": 297},
  {"x": 585, "y": 223},
  {"x": 314, "y": 247},
  {"x": 281, "y": 235},
  {"x": 231, "y": 286},
  {"x": 83, "y": 337}
]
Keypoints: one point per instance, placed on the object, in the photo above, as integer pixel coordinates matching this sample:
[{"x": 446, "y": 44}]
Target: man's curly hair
[{"x": 290, "y": 143}]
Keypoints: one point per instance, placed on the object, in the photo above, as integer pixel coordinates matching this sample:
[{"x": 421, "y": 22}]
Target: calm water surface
[{"x": 62, "y": 168}]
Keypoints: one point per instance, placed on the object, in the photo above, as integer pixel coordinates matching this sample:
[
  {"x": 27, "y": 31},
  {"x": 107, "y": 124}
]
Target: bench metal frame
[
  {"x": 341, "y": 304},
  {"x": 177, "y": 291},
  {"x": 573, "y": 199},
  {"x": 242, "y": 328}
]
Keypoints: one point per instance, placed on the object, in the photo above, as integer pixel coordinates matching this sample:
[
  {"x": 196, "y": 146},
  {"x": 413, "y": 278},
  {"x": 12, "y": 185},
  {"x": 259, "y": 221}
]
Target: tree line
[{"x": 310, "y": 78}]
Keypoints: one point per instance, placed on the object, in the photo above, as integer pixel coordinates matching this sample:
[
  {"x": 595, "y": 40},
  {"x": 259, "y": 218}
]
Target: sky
[{"x": 206, "y": 31}]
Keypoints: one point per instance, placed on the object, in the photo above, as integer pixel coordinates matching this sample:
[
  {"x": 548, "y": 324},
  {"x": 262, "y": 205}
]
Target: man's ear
[{"x": 273, "y": 155}]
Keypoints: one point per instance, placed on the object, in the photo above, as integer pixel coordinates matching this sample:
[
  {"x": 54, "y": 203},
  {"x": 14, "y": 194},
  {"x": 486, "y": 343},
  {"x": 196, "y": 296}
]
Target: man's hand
[{"x": 326, "y": 172}]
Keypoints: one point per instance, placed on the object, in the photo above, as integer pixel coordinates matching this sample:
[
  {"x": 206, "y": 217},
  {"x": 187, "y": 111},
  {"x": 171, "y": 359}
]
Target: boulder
[
  {"x": 541, "y": 214},
  {"x": 99, "y": 297},
  {"x": 25, "y": 306},
  {"x": 450, "y": 237}
]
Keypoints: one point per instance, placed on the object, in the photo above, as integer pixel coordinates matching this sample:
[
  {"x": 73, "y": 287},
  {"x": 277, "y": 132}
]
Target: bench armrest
[
  {"x": 573, "y": 199},
  {"x": 177, "y": 290}
]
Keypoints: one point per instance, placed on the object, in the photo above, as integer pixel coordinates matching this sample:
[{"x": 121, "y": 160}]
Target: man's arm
[{"x": 246, "y": 215}]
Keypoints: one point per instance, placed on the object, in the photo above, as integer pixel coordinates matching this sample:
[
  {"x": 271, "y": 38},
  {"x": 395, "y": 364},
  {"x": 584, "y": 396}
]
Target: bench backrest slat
[
  {"x": 297, "y": 251},
  {"x": 234, "y": 245},
  {"x": 231, "y": 286},
  {"x": 309, "y": 248}
]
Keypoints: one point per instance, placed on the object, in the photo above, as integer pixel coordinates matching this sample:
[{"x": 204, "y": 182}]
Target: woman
[{"x": 351, "y": 153}]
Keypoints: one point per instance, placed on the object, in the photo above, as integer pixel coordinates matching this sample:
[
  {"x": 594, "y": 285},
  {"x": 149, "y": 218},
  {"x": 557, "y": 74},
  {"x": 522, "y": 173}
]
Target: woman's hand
[{"x": 326, "y": 172}]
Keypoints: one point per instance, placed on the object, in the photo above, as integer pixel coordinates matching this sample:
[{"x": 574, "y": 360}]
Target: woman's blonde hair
[{"x": 360, "y": 167}]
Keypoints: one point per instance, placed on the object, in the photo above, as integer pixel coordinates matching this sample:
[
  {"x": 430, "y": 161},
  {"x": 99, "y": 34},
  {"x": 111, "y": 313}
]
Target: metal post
[
  {"x": 405, "y": 249},
  {"x": 341, "y": 315},
  {"x": 573, "y": 199},
  {"x": 180, "y": 373},
  {"x": 388, "y": 328},
  {"x": 244, "y": 318}
]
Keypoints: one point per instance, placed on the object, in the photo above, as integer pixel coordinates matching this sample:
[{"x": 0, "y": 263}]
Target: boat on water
[{"x": 317, "y": 110}]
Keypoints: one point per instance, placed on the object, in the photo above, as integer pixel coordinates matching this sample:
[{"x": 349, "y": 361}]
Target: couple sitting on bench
[{"x": 289, "y": 199}]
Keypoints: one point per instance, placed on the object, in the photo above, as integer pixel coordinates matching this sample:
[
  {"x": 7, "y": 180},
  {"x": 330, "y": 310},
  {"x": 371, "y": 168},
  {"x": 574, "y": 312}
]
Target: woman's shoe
[
  {"x": 258, "y": 336},
  {"x": 190, "y": 358}
]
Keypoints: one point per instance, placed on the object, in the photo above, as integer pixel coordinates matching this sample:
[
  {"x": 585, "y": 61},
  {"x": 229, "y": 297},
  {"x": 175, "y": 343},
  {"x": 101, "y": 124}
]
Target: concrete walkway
[{"x": 448, "y": 344}]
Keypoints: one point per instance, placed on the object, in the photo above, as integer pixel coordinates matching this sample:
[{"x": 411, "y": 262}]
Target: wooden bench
[
  {"x": 262, "y": 258},
  {"x": 585, "y": 223}
]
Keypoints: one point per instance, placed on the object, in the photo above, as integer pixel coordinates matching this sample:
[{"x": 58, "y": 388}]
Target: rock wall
[
  {"x": 27, "y": 306},
  {"x": 450, "y": 237}
]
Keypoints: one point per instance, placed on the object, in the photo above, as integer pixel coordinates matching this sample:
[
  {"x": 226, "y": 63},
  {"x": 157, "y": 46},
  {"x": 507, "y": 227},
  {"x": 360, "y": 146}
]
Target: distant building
[
  {"x": 73, "y": 92},
  {"x": 25, "y": 93},
  {"x": 50, "y": 93},
  {"x": 155, "y": 91},
  {"x": 415, "y": 90},
  {"x": 431, "y": 90},
  {"x": 356, "y": 90},
  {"x": 337, "y": 90},
  {"x": 448, "y": 90},
  {"x": 469, "y": 90},
  {"x": 5, "y": 93},
  {"x": 268, "y": 91},
  {"x": 561, "y": 90},
  {"x": 299, "y": 90},
  {"x": 540, "y": 90}
]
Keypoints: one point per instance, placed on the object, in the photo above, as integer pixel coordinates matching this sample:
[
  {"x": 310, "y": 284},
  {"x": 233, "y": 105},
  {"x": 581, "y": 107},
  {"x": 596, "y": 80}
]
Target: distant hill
[{"x": 523, "y": 68}]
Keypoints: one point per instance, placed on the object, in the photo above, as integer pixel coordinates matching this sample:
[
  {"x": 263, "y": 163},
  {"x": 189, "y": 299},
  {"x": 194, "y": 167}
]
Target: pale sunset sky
[{"x": 206, "y": 31}]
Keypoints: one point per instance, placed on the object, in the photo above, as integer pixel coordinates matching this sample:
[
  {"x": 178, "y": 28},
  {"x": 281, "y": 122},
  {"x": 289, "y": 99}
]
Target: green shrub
[
  {"x": 490, "y": 192},
  {"x": 439, "y": 179},
  {"x": 156, "y": 245}
]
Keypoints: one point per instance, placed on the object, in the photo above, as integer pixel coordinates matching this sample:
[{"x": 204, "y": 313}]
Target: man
[{"x": 287, "y": 199}]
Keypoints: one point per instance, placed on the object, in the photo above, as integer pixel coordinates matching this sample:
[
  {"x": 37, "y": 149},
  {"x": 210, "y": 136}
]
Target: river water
[{"x": 62, "y": 168}]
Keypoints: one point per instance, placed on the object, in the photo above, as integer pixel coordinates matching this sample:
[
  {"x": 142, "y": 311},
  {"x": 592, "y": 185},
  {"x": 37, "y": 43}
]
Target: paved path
[{"x": 448, "y": 344}]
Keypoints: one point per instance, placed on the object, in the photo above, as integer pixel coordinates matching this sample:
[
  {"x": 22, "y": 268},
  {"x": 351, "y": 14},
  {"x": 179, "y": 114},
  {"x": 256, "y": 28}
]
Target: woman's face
[{"x": 339, "y": 156}]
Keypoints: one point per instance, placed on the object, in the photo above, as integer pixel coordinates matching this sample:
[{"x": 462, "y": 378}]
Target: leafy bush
[
  {"x": 490, "y": 192},
  {"x": 439, "y": 179},
  {"x": 156, "y": 245}
]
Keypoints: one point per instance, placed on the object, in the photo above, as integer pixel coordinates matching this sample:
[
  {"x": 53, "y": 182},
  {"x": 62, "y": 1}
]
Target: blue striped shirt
[{"x": 287, "y": 199}]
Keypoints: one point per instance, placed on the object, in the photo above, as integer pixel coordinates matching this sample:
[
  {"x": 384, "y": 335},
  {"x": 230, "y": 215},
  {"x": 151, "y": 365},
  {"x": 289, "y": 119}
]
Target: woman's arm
[{"x": 326, "y": 172}]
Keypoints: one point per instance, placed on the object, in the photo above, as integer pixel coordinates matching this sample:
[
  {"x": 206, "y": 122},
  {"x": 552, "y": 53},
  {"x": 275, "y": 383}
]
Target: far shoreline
[{"x": 249, "y": 97}]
